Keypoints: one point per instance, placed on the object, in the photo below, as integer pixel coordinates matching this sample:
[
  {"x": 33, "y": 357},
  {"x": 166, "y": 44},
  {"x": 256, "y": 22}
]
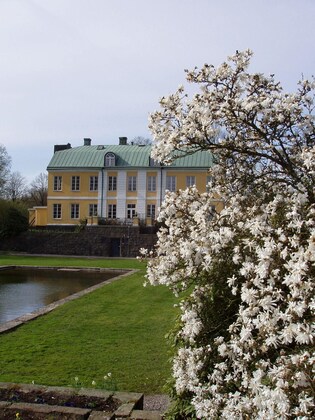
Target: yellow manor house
[{"x": 114, "y": 183}]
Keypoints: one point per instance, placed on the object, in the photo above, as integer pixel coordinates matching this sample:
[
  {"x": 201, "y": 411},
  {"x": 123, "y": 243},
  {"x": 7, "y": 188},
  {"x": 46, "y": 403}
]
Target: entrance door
[
  {"x": 131, "y": 211},
  {"x": 115, "y": 247}
]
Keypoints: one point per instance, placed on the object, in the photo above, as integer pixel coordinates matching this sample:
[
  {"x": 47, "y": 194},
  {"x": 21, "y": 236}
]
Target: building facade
[{"x": 115, "y": 183}]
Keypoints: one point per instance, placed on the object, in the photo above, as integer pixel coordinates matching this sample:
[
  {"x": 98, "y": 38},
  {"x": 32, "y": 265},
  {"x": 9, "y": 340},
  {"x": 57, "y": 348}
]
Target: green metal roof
[
  {"x": 133, "y": 156},
  {"x": 197, "y": 159}
]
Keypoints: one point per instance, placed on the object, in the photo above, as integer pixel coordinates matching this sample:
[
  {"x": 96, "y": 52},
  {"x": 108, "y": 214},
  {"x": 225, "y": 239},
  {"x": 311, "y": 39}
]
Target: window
[
  {"x": 211, "y": 213},
  {"x": 153, "y": 162},
  {"x": 171, "y": 183},
  {"x": 111, "y": 211},
  {"x": 93, "y": 183},
  {"x": 209, "y": 179},
  {"x": 151, "y": 210},
  {"x": 110, "y": 159},
  {"x": 132, "y": 183},
  {"x": 75, "y": 211},
  {"x": 92, "y": 210},
  {"x": 57, "y": 211},
  {"x": 151, "y": 183},
  {"x": 57, "y": 183},
  {"x": 112, "y": 183},
  {"x": 131, "y": 211},
  {"x": 190, "y": 181},
  {"x": 75, "y": 183}
]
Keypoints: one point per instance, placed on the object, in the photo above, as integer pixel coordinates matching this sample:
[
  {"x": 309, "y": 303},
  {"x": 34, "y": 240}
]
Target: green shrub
[{"x": 13, "y": 219}]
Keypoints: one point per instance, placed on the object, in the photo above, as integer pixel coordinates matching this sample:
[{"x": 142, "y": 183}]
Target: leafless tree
[
  {"x": 15, "y": 186},
  {"x": 38, "y": 189},
  {"x": 142, "y": 141},
  {"x": 5, "y": 163}
]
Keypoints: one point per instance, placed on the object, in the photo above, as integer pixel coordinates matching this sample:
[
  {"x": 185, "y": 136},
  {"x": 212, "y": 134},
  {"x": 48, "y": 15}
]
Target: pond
[{"x": 24, "y": 290}]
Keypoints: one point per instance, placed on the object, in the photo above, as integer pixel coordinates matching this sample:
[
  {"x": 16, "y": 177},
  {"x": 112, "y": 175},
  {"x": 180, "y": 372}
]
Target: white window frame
[
  {"x": 92, "y": 210},
  {"x": 151, "y": 183},
  {"x": 75, "y": 183},
  {"x": 132, "y": 183},
  {"x": 57, "y": 183},
  {"x": 112, "y": 211},
  {"x": 131, "y": 211},
  {"x": 190, "y": 181},
  {"x": 209, "y": 179},
  {"x": 112, "y": 183},
  {"x": 171, "y": 182},
  {"x": 57, "y": 211},
  {"x": 110, "y": 159},
  {"x": 75, "y": 211},
  {"x": 94, "y": 183},
  {"x": 151, "y": 210},
  {"x": 153, "y": 162}
]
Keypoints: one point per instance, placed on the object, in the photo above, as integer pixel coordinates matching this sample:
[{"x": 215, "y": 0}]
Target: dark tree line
[{"x": 16, "y": 196}]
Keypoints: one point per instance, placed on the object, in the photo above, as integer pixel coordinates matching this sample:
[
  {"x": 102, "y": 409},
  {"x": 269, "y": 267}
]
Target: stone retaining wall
[{"x": 106, "y": 241}]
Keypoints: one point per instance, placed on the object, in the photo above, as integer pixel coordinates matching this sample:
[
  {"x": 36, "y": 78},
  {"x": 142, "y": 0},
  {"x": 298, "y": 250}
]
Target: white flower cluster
[{"x": 247, "y": 329}]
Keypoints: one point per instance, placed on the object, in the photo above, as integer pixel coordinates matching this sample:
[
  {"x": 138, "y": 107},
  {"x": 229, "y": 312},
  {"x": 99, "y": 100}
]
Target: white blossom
[{"x": 256, "y": 358}]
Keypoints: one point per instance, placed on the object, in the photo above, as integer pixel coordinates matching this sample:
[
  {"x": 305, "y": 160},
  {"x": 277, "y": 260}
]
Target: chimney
[
  {"x": 122, "y": 141},
  {"x": 59, "y": 147},
  {"x": 87, "y": 142}
]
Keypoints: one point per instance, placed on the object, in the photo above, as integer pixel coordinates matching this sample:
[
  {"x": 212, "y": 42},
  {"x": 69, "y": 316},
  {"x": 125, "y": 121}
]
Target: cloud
[{"x": 97, "y": 68}]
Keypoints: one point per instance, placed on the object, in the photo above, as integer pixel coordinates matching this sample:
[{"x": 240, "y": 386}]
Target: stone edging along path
[
  {"x": 11, "y": 325},
  {"x": 43, "y": 402}
]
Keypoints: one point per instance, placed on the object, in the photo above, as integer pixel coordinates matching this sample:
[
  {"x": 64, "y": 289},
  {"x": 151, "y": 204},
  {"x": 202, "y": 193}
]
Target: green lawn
[{"x": 119, "y": 328}]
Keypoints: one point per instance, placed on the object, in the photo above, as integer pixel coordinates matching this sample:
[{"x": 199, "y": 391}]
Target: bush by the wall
[{"x": 13, "y": 219}]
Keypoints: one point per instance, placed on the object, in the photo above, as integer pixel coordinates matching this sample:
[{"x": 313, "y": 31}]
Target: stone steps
[{"x": 128, "y": 405}]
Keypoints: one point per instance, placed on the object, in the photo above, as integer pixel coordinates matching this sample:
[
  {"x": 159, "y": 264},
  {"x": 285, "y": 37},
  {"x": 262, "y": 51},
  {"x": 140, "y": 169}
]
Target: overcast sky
[{"x": 96, "y": 68}]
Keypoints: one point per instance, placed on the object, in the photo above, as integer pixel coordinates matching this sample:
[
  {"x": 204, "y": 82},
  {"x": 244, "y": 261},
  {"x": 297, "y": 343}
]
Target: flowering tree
[{"x": 245, "y": 340}]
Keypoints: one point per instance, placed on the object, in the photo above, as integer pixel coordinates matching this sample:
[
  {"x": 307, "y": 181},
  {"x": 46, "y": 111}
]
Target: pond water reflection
[{"x": 24, "y": 290}]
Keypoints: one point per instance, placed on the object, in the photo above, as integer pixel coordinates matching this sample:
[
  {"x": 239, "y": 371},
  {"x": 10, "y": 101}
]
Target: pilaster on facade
[{"x": 121, "y": 194}]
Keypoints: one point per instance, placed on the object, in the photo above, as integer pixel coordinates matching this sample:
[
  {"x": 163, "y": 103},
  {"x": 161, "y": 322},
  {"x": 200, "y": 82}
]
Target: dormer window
[
  {"x": 153, "y": 162},
  {"x": 110, "y": 159}
]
